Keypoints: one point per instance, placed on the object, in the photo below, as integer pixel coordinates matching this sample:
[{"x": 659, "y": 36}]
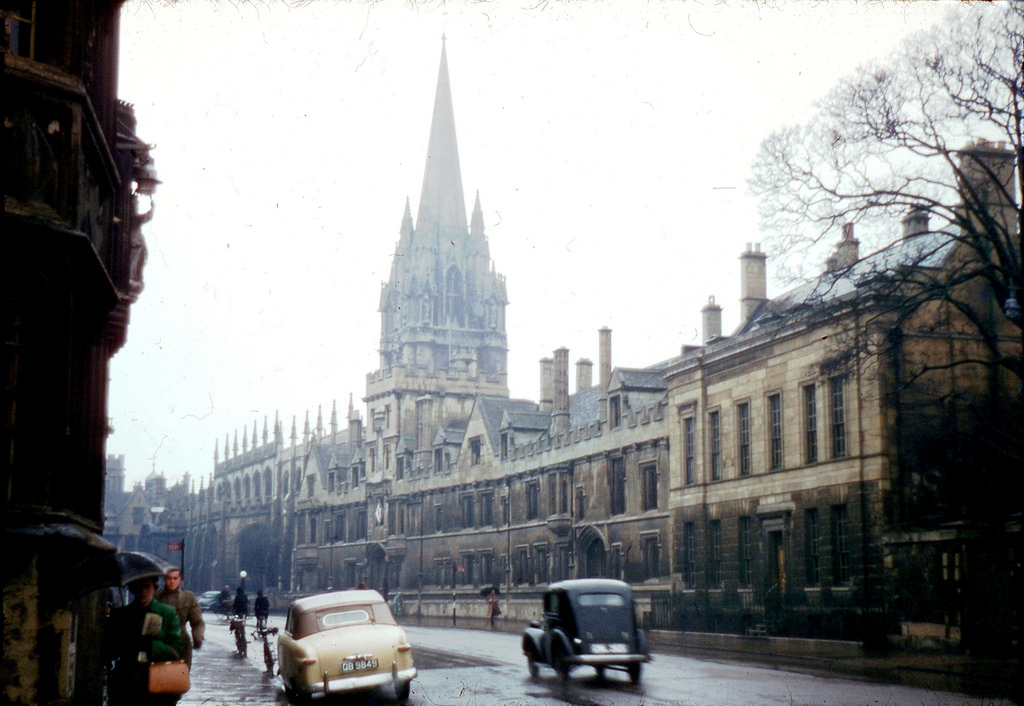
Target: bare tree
[
  {"x": 932, "y": 138},
  {"x": 890, "y": 142}
]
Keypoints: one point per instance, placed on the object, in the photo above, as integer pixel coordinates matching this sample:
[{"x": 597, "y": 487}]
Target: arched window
[
  {"x": 268, "y": 483},
  {"x": 247, "y": 488},
  {"x": 238, "y": 491},
  {"x": 257, "y": 495},
  {"x": 454, "y": 301}
]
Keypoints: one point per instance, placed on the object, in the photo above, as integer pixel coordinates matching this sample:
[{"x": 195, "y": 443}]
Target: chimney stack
[
  {"x": 753, "y": 280},
  {"x": 604, "y": 369},
  {"x": 915, "y": 222},
  {"x": 711, "y": 318},
  {"x": 561, "y": 410},
  {"x": 547, "y": 384},
  {"x": 847, "y": 251},
  {"x": 584, "y": 374},
  {"x": 986, "y": 184}
]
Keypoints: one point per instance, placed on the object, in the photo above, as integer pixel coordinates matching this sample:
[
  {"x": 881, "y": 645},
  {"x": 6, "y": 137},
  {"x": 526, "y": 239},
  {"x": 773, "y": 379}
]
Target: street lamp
[{"x": 242, "y": 575}]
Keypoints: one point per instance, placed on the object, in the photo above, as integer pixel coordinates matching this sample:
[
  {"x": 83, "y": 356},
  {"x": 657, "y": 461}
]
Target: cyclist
[
  {"x": 261, "y": 607},
  {"x": 241, "y": 604}
]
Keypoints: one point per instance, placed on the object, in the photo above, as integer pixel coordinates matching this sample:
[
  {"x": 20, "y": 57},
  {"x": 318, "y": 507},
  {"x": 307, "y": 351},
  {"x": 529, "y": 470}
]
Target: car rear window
[
  {"x": 595, "y": 600},
  {"x": 338, "y": 618}
]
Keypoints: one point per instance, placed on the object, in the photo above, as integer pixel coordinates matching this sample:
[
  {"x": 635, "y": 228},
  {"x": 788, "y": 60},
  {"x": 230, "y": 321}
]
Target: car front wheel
[
  {"x": 560, "y": 664},
  {"x": 531, "y": 665}
]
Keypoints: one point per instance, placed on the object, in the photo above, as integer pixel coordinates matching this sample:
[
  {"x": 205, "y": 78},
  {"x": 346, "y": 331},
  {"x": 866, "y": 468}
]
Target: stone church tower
[{"x": 443, "y": 339}]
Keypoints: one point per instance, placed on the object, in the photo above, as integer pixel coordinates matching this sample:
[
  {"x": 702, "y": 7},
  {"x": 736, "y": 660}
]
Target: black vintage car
[{"x": 587, "y": 622}]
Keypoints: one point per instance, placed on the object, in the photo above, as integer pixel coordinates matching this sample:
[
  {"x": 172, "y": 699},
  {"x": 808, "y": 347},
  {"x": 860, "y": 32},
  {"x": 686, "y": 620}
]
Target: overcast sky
[{"x": 610, "y": 143}]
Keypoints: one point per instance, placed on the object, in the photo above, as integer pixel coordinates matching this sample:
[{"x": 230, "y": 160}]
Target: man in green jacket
[{"x": 141, "y": 632}]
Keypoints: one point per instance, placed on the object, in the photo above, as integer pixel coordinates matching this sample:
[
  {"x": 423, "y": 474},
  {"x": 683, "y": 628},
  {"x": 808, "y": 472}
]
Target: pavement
[{"x": 220, "y": 676}]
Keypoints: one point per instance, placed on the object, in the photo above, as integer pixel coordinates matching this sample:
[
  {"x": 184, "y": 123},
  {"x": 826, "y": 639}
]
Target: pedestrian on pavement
[
  {"x": 189, "y": 612},
  {"x": 493, "y": 611},
  {"x": 141, "y": 632},
  {"x": 241, "y": 605},
  {"x": 261, "y": 607}
]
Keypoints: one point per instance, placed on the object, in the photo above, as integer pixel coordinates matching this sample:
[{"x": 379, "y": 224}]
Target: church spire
[{"x": 442, "y": 209}]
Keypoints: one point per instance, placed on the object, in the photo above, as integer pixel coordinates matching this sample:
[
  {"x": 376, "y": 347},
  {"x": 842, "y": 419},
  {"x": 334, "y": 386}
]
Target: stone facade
[{"x": 748, "y": 485}]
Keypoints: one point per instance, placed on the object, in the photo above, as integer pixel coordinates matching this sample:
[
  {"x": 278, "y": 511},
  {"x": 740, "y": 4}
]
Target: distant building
[
  {"x": 755, "y": 484},
  {"x": 71, "y": 261}
]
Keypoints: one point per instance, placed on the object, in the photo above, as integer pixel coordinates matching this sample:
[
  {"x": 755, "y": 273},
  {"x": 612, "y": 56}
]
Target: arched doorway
[
  {"x": 377, "y": 569},
  {"x": 593, "y": 554},
  {"x": 254, "y": 557}
]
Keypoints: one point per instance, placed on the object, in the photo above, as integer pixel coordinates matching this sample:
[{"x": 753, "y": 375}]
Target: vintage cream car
[{"x": 343, "y": 641}]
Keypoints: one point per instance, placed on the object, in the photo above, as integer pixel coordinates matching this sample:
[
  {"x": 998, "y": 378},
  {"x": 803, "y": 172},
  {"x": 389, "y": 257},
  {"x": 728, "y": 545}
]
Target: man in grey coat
[{"x": 187, "y": 606}]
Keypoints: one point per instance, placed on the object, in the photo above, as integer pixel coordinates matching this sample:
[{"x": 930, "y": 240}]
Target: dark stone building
[{"x": 71, "y": 260}]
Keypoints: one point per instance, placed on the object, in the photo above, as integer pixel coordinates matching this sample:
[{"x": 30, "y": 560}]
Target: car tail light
[
  {"x": 309, "y": 660},
  {"x": 404, "y": 648}
]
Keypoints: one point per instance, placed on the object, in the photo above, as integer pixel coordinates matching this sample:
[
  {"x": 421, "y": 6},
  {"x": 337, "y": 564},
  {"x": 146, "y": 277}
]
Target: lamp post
[{"x": 241, "y": 575}]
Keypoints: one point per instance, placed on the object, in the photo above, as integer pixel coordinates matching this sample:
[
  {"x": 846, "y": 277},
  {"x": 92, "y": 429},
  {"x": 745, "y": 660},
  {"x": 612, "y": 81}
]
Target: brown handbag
[{"x": 169, "y": 677}]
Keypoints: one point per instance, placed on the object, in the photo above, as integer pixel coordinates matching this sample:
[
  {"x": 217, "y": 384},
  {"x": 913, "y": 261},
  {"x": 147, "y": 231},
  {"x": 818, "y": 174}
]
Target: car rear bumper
[
  {"x": 610, "y": 660},
  {"x": 341, "y": 685}
]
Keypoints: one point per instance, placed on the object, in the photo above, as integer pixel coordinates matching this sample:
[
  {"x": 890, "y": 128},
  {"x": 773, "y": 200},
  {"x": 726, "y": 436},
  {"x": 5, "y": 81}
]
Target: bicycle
[
  {"x": 237, "y": 626},
  {"x": 263, "y": 633}
]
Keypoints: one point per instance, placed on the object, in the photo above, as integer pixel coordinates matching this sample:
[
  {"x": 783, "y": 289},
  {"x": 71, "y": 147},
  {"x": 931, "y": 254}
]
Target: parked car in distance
[
  {"x": 209, "y": 600},
  {"x": 342, "y": 642},
  {"x": 588, "y": 622}
]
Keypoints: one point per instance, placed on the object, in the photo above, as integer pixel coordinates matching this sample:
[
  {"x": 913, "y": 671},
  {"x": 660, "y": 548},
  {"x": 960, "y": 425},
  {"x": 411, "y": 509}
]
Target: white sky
[{"x": 610, "y": 142}]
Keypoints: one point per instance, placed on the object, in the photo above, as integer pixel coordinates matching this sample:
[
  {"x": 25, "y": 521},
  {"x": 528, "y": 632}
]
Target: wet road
[{"x": 482, "y": 668}]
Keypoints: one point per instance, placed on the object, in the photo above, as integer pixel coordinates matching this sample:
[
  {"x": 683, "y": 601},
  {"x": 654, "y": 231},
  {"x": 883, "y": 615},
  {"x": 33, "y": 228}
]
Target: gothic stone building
[{"x": 745, "y": 486}]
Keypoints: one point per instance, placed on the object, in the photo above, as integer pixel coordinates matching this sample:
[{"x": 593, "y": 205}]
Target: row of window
[
  {"x": 811, "y": 432},
  {"x": 752, "y": 547}
]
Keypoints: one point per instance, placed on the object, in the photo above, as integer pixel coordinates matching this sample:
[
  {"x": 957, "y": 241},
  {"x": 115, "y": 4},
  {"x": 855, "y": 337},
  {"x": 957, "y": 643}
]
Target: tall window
[
  {"x": 532, "y": 500},
  {"x": 474, "y": 451},
  {"x": 775, "y": 426},
  {"x": 563, "y": 496},
  {"x": 812, "y": 547},
  {"x": 552, "y": 494},
  {"x": 541, "y": 563},
  {"x": 649, "y": 476},
  {"x": 810, "y": 424},
  {"x": 650, "y": 549},
  {"x": 522, "y": 565},
  {"x": 715, "y": 430},
  {"x": 690, "y": 555},
  {"x": 743, "y": 423},
  {"x": 688, "y": 451},
  {"x": 617, "y": 486},
  {"x": 838, "y": 396},
  {"x": 504, "y": 446},
  {"x": 746, "y": 547},
  {"x": 487, "y": 509},
  {"x": 840, "y": 546},
  {"x": 581, "y": 503},
  {"x": 312, "y": 530},
  {"x": 467, "y": 511},
  {"x": 614, "y": 411},
  {"x": 715, "y": 554}
]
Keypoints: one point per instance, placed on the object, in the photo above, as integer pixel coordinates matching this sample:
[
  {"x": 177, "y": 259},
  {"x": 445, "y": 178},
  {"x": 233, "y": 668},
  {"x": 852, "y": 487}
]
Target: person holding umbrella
[
  {"x": 142, "y": 632},
  {"x": 493, "y": 610}
]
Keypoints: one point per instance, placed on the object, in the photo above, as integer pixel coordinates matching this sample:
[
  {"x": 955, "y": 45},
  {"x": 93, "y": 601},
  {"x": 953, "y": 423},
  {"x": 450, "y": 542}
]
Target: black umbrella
[
  {"x": 487, "y": 591},
  {"x": 120, "y": 569}
]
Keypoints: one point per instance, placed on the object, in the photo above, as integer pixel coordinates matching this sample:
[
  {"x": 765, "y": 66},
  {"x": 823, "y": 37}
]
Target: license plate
[
  {"x": 358, "y": 665},
  {"x": 614, "y": 648}
]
